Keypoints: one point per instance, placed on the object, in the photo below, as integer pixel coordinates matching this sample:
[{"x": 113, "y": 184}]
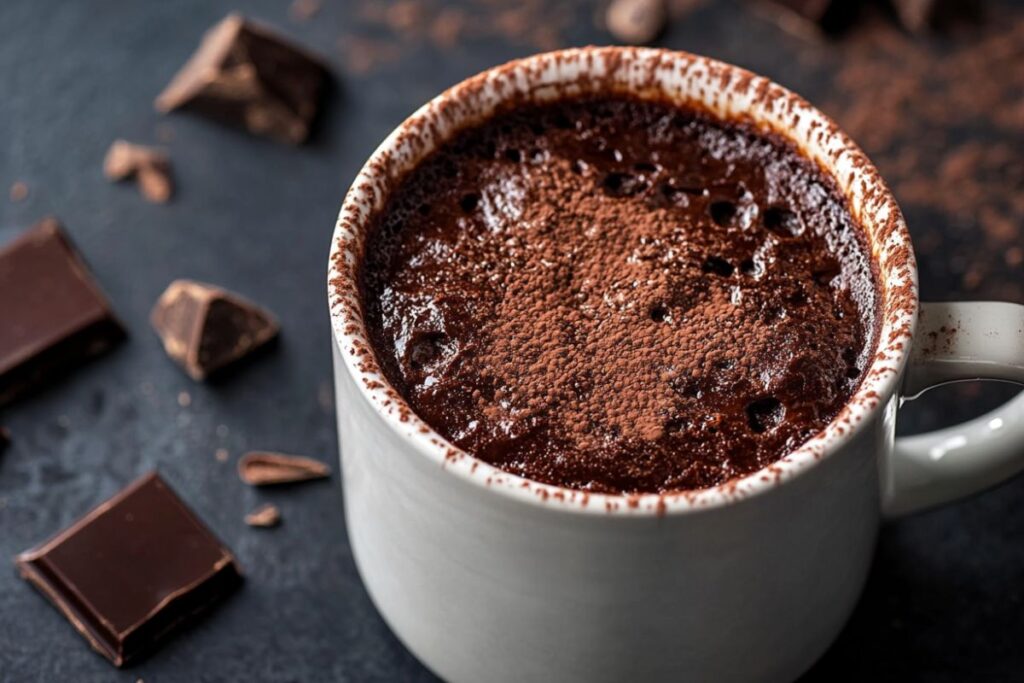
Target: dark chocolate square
[
  {"x": 53, "y": 314},
  {"x": 132, "y": 570}
]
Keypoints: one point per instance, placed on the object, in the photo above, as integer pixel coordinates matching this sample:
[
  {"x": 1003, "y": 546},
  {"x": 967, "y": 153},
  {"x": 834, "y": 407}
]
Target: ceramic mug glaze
[{"x": 489, "y": 577}]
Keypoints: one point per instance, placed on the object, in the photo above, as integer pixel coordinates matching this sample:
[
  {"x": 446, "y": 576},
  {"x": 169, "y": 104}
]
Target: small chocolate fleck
[
  {"x": 636, "y": 21},
  {"x": 265, "y": 516},
  {"x": 259, "y": 468},
  {"x": 150, "y": 167},
  {"x": 19, "y": 191}
]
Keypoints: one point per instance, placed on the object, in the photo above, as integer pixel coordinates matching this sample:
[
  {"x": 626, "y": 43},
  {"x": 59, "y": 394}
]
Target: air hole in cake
[
  {"x": 751, "y": 267},
  {"x": 645, "y": 167},
  {"x": 827, "y": 271},
  {"x": 469, "y": 202},
  {"x": 718, "y": 266},
  {"x": 782, "y": 221},
  {"x": 765, "y": 414},
  {"x": 658, "y": 313},
  {"x": 621, "y": 184},
  {"x": 722, "y": 212},
  {"x": 513, "y": 155},
  {"x": 562, "y": 121},
  {"x": 426, "y": 349}
]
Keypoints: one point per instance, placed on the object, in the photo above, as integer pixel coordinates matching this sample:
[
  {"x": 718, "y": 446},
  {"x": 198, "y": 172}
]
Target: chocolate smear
[
  {"x": 132, "y": 570},
  {"x": 205, "y": 328},
  {"x": 259, "y": 468},
  {"x": 246, "y": 75}
]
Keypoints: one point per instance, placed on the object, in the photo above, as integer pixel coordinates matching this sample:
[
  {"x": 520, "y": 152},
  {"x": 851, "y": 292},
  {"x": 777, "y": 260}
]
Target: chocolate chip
[{"x": 622, "y": 184}]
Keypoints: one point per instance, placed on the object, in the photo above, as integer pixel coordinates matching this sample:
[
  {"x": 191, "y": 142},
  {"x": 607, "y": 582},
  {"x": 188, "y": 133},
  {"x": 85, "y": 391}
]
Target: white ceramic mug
[{"x": 489, "y": 577}]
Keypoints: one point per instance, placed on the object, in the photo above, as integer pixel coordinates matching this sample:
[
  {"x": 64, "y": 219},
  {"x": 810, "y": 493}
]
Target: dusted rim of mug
[{"x": 724, "y": 91}]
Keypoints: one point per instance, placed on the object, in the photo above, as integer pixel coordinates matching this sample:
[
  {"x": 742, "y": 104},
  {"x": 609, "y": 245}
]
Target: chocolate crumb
[
  {"x": 265, "y": 516},
  {"x": 303, "y": 10},
  {"x": 19, "y": 191},
  {"x": 151, "y": 169},
  {"x": 259, "y": 468},
  {"x": 636, "y": 21}
]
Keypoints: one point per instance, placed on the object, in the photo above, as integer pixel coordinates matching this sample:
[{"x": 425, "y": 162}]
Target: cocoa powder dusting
[
  {"x": 619, "y": 296},
  {"x": 943, "y": 120}
]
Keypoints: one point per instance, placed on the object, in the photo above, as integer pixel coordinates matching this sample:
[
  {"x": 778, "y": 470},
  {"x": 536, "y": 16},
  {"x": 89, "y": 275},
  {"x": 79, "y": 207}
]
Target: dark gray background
[{"x": 944, "y": 601}]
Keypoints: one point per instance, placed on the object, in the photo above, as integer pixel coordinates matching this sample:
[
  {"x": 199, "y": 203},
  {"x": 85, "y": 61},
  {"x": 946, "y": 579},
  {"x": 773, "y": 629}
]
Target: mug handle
[{"x": 955, "y": 342}]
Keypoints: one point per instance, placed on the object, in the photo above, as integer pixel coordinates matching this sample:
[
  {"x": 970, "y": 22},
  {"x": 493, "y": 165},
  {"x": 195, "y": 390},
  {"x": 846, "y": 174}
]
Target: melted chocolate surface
[{"x": 620, "y": 296}]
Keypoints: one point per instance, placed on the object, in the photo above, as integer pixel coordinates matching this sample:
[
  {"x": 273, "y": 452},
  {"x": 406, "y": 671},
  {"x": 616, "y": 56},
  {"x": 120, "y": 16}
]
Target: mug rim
[{"x": 728, "y": 93}]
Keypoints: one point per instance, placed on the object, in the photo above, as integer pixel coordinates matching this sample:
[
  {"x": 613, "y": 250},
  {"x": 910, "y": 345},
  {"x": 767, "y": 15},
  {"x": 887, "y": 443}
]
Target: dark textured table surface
[{"x": 945, "y": 600}]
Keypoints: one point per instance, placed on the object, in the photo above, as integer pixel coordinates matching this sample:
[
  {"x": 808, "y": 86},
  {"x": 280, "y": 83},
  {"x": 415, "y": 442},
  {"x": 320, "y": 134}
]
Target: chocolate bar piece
[
  {"x": 206, "y": 328},
  {"x": 53, "y": 314},
  {"x": 246, "y": 75},
  {"x": 132, "y": 570}
]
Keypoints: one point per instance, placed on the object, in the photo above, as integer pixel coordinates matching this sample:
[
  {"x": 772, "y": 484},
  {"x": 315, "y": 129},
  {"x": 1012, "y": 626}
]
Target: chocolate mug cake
[{"x": 619, "y": 295}]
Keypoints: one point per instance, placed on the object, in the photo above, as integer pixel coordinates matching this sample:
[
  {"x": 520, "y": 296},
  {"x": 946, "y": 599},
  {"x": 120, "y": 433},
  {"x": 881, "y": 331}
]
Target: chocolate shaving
[
  {"x": 265, "y": 516},
  {"x": 259, "y": 468},
  {"x": 205, "y": 328},
  {"x": 151, "y": 169},
  {"x": 247, "y": 76}
]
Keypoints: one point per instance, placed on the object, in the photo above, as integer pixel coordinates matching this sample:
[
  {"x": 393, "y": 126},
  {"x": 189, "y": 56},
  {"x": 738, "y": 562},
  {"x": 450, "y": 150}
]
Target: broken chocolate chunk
[
  {"x": 132, "y": 570},
  {"x": 262, "y": 469},
  {"x": 53, "y": 314},
  {"x": 807, "y": 17},
  {"x": 151, "y": 169},
  {"x": 245, "y": 75},
  {"x": 637, "y": 22},
  {"x": 265, "y": 516},
  {"x": 205, "y": 328},
  {"x": 922, "y": 15}
]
